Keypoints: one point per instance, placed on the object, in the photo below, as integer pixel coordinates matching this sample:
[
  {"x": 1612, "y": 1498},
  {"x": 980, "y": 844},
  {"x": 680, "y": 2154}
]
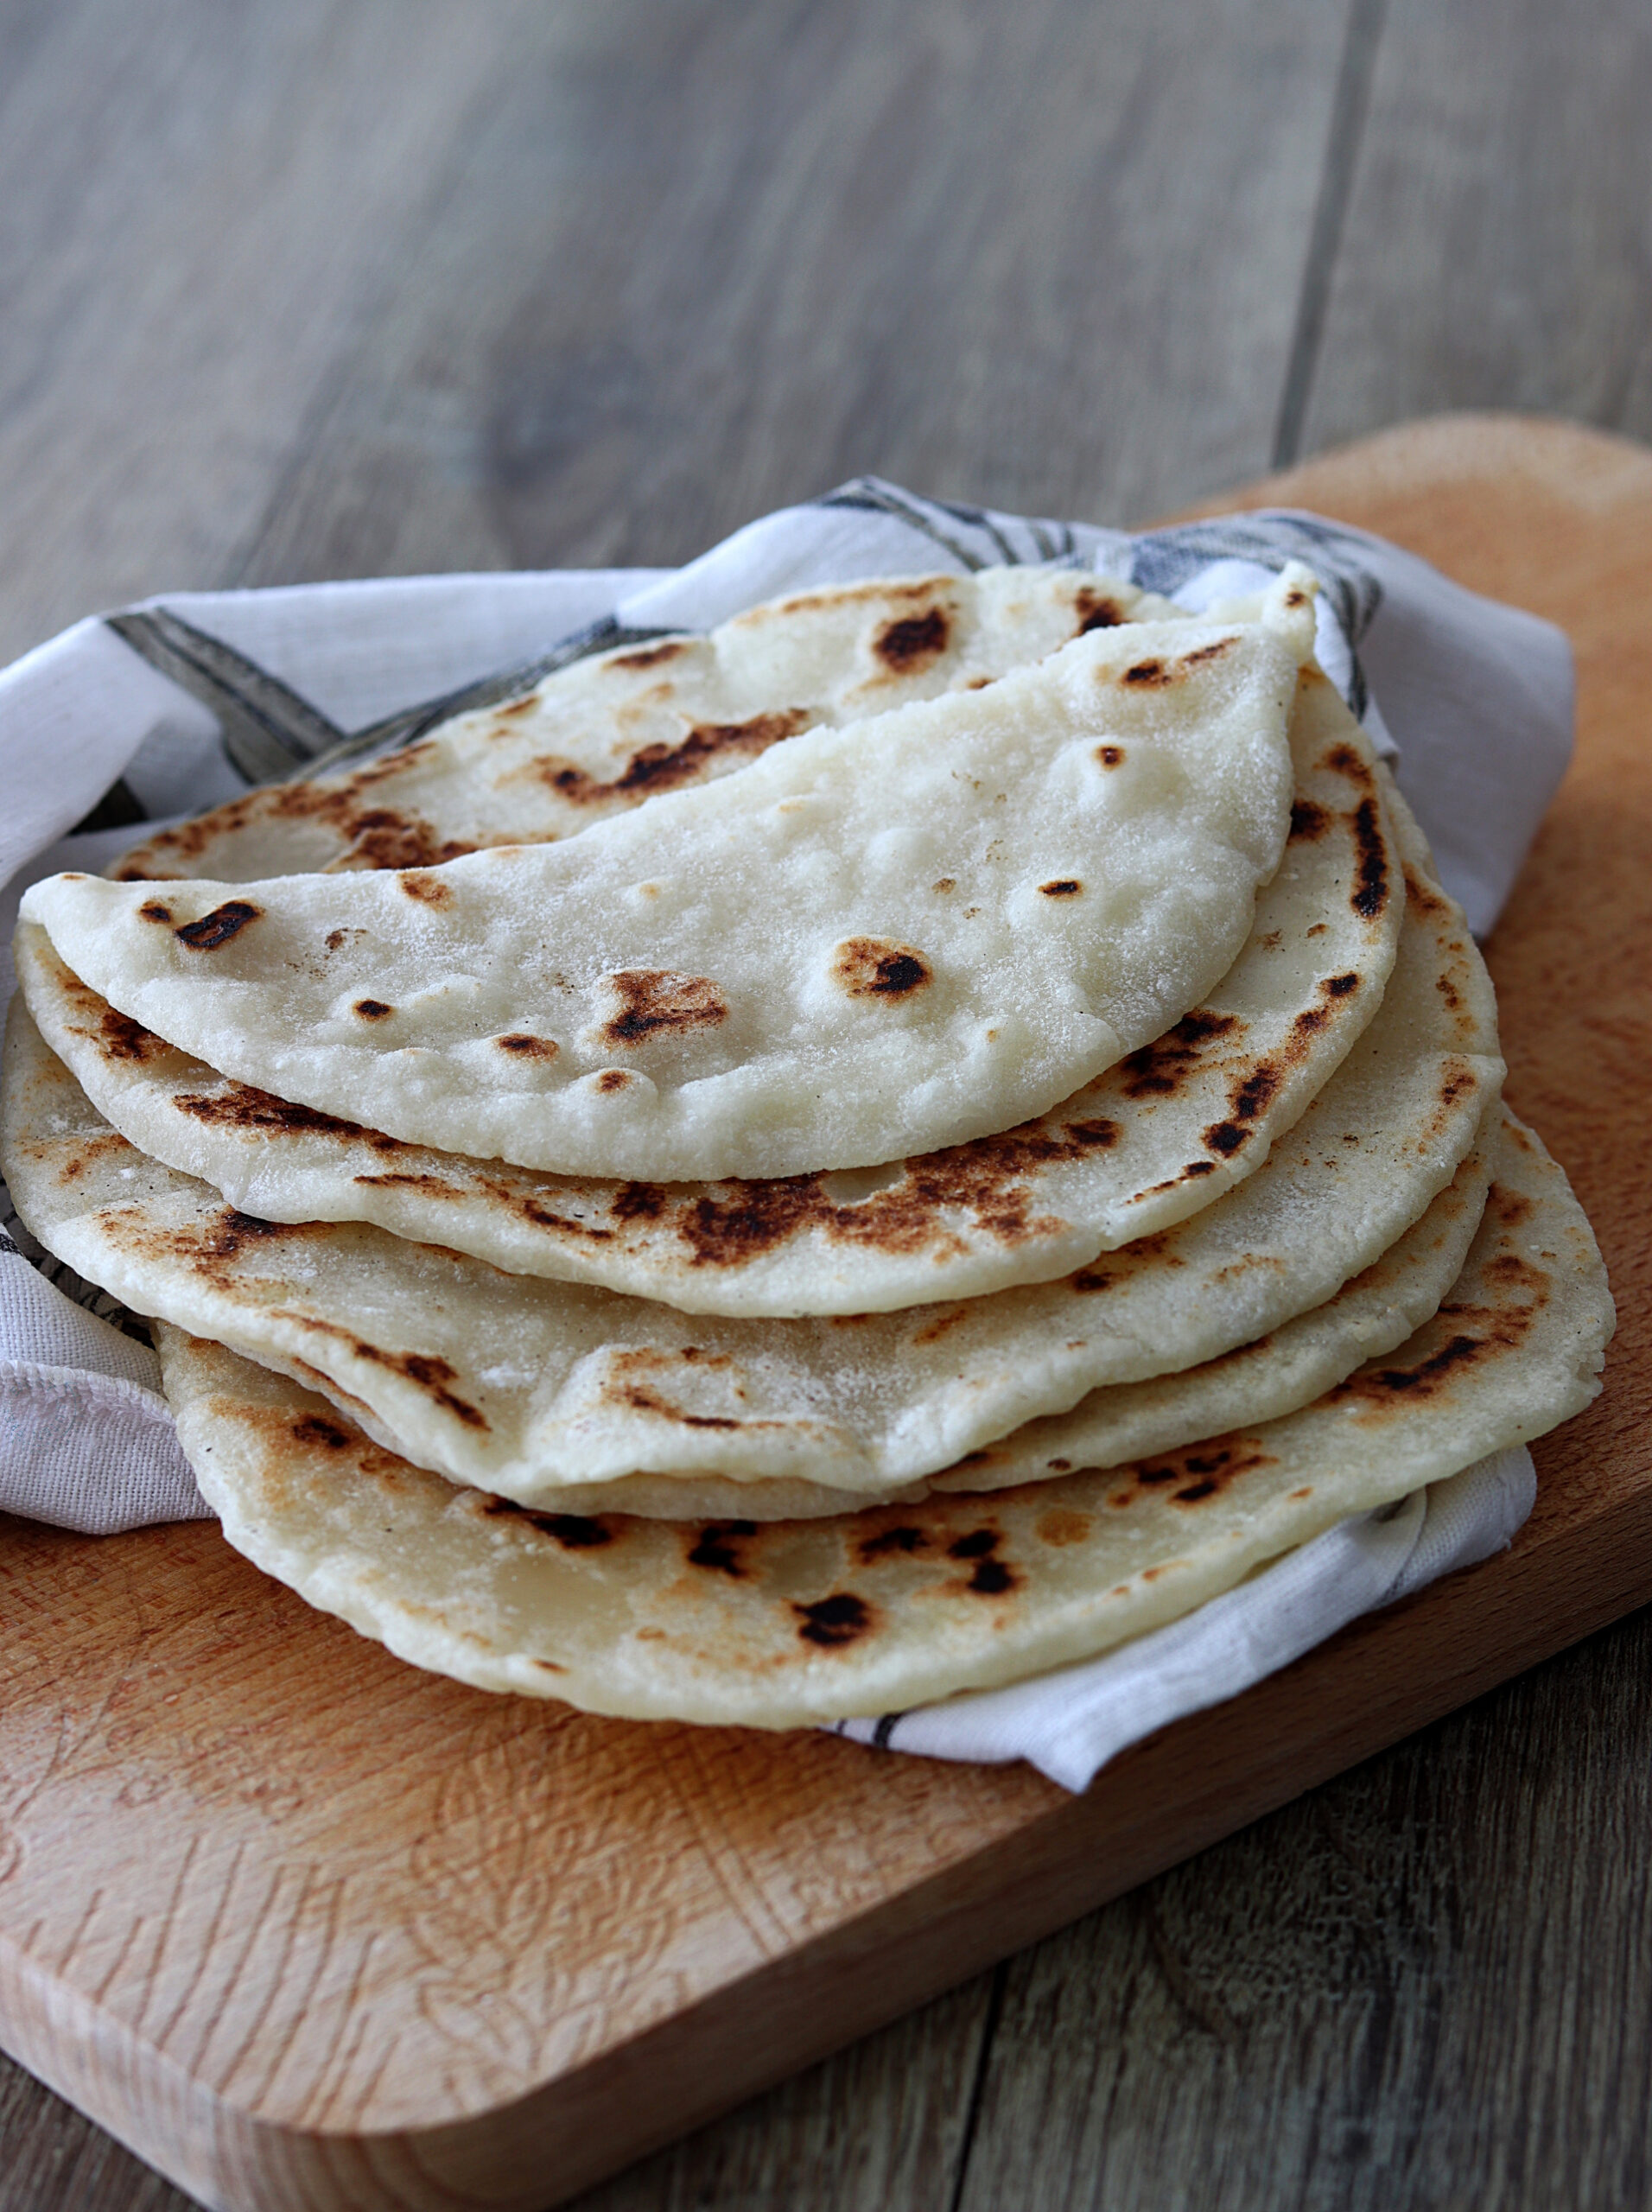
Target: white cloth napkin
[
  {"x": 1071, "y": 1723},
  {"x": 129, "y": 721}
]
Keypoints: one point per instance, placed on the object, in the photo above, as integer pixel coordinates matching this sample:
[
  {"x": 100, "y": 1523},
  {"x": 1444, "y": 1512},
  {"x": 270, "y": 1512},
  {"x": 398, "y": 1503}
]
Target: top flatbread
[
  {"x": 1135, "y": 1151},
  {"x": 876, "y": 941},
  {"x": 601, "y": 736}
]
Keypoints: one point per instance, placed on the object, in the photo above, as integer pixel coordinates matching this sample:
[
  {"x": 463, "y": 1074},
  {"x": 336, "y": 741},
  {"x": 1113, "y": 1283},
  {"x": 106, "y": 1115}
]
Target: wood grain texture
[
  {"x": 1497, "y": 247},
  {"x": 200, "y": 203},
  {"x": 934, "y": 250},
  {"x": 224, "y": 255},
  {"x": 421, "y": 1949},
  {"x": 1372, "y": 1999}
]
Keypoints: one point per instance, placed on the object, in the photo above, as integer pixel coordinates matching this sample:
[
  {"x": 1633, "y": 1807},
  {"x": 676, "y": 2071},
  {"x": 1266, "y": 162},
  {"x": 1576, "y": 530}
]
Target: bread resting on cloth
[
  {"x": 876, "y": 940},
  {"x": 1136, "y": 1150},
  {"x": 523, "y": 1387},
  {"x": 896, "y": 1605},
  {"x": 773, "y": 1246}
]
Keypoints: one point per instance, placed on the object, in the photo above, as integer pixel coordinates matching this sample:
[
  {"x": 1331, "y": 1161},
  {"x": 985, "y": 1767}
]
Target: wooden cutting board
[{"x": 309, "y": 1928}]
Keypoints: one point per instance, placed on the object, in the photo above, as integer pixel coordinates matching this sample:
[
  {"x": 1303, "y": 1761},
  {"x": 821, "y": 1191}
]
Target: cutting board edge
[
  {"x": 1198, "y": 1780},
  {"x": 1607, "y": 1572},
  {"x": 1548, "y": 447}
]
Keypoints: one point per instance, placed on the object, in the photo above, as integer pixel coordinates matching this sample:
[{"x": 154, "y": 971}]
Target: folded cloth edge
[{"x": 1071, "y": 1723}]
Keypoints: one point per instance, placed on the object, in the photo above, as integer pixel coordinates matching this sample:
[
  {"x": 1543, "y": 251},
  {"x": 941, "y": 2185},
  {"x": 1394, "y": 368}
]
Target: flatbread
[
  {"x": 1135, "y": 1151},
  {"x": 1272, "y": 1375},
  {"x": 897, "y": 1606},
  {"x": 656, "y": 714},
  {"x": 1378, "y": 1309},
  {"x": 859, "y": 948},
  {"x": 522, "y": 1387}
]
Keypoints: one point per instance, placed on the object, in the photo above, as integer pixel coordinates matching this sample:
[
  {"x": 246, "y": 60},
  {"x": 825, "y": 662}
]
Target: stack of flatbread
[{"x": 797, "y": 1172}]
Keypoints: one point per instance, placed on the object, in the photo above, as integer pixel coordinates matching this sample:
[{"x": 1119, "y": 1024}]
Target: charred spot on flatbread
[
  {"x": 120, "y": 1037},
  {"x": 662, "y": 767},
  {"x": 1370, "y": 893},
  {"x": 239, "y": 1106},
  {"x": 652, "y": 1001},
  {"x": 1095, "y": 610},
  {"x": 381, "y": 838},
  {"x": 319, "y": 1434},
  {"x": 988, "y": 1575},
  {"x": 1160, "y": 1068},
  {"x": 904, "y": 1540},
  {"x": 1153, "y": 674},
  {"x": 872, "y": 968},
  {"x": 217, "y": 928},
  {"x": 718, "y": 1547},
  {"x": 907, "y": 643},
  {"x": 834, "y": 1622},
  {"x": 1195, "y": 1473},
  {"x": 575, "y": 1532},
  {"x": 1202, "y": 654},
  {"x": 651, "y": 656},
  {"x": 430, "y": 890},
  {"x": 644, "y": 1398},
  {"x": 234, "y": 1230},
  {"x": 1247, "y": 1098},
  {"x": 430, "y": 1373}
]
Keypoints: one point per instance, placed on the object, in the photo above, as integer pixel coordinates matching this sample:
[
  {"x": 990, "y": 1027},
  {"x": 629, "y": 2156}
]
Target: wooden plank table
[{"x": 596, "y": 286}]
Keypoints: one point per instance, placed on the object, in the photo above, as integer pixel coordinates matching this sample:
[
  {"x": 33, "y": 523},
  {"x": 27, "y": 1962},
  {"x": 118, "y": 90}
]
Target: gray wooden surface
[{"x": 335, "y": 287}]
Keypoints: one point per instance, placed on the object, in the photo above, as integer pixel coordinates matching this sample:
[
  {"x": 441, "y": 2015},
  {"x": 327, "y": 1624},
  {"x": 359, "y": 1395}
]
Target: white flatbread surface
[
  {"x": 874, "y": 941},
  {"x": 1138, "y": 1149},
  {"x": 523, "y": 1387},
  {"x": 1297, "y": 1361},
  {"x": 620, "y": 728},
  {"x": 896, "y": 1605}
]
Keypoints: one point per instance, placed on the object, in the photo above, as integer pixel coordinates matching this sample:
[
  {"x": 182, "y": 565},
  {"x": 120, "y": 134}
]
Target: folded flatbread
[
  {"x": 895, "y": 1605},
  {"x": 1137, "y": 1150},
  {"x": 876, "y": 940},
  {"x": 523, "y": 1387},
  {"x": 654, "y": 715}
]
